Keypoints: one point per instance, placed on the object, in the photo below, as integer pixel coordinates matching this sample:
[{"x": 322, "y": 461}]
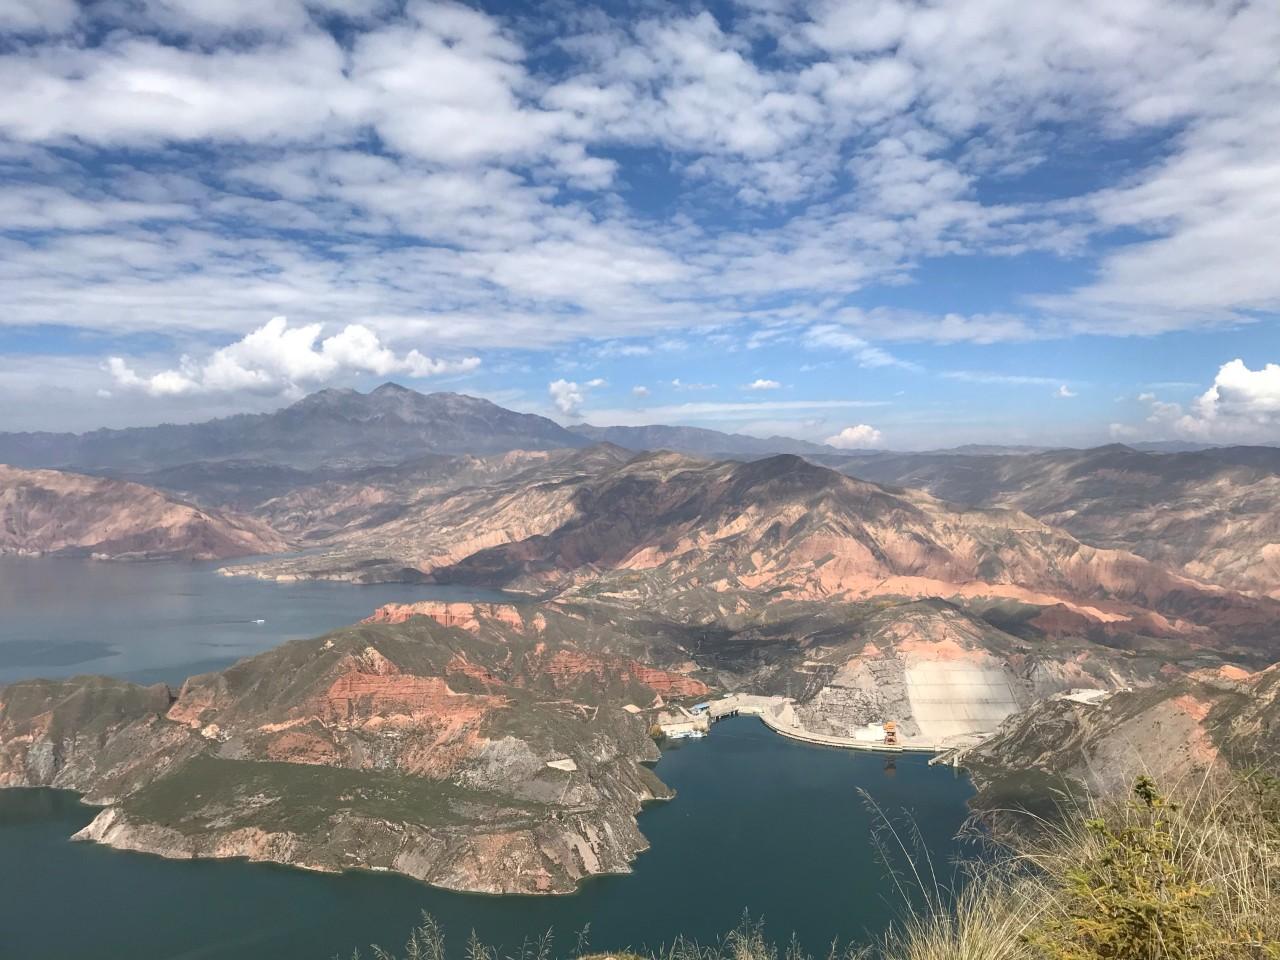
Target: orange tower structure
[{"x": 890, "y": 733}]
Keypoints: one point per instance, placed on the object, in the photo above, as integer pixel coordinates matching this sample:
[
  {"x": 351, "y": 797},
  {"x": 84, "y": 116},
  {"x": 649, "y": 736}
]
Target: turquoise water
[
  {"x": 165, "y": 621},
  {"x": 762, "y": 824}
]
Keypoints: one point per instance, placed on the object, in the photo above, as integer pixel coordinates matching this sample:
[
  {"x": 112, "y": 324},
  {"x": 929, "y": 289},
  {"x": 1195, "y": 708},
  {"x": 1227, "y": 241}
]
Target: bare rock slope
[
  {"x": 50, "y": 512},
  {"x": 1210, "y": 513}
]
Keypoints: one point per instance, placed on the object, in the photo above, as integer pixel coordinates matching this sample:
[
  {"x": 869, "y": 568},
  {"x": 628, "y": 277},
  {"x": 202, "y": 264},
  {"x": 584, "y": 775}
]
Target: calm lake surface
[
  {"x": 761, "y": 824},
  {"x": 154, "y": 622}
]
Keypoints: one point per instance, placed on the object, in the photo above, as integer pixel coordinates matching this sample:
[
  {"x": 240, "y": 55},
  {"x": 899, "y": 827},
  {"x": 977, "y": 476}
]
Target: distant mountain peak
[
  {"x": 337, "y": 425},
  {"x": 390, "y": 387}
]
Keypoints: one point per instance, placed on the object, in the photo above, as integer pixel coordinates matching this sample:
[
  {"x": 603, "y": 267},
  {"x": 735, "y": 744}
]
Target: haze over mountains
[
  {"x": 332, "y": 427},
  {"x": 365, "y": 474},
  {"x": 343, "y": 428}
]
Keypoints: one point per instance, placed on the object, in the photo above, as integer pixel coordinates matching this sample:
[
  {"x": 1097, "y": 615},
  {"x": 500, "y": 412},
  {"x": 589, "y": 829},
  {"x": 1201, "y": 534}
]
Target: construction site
[{"x": 883, "y": 705}]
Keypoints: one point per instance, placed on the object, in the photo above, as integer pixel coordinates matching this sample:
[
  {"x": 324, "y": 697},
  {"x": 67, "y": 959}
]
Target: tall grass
[{"x": 1193, "y": 875}]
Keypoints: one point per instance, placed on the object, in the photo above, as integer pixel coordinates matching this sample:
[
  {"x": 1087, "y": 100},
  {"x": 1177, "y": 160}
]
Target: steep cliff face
[
  {"x": 414, "y": 746},
  {"x": 48, "y": 512}
]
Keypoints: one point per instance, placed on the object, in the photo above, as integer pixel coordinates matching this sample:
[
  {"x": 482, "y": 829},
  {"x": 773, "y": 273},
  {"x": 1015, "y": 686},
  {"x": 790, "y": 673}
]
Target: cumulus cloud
[
  {"x": 853, "y": 438},
  {"x": 1241, "y": 406},
  {"x": 762, "y": 384},
  {"x": 432, "y": 172},
  {"x": 640, "y": 391},
  {"x": 1241, "y": 393},
  {"x": 569, "y": 396},
  {"x": 277, "y": 358},
  {"x": 1064, "y": 392}
]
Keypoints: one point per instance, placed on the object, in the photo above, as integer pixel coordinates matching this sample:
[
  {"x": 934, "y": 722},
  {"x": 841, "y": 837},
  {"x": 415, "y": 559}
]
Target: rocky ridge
[
  {"x": 331, "y": 427},
  {"x": 50, "y": 512},
  {"x": 1209, "y": 513}
]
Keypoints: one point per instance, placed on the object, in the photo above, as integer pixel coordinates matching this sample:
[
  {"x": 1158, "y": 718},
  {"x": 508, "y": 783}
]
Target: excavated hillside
[
  {"x": 1178, "y": 729},
  {"x": 50, "y": 512}
]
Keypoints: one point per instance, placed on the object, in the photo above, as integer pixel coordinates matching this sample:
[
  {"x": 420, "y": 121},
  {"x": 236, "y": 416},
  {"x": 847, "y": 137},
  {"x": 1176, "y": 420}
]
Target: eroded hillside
[
  {"x": 1210, "y": 513},
  {"x": 50, "y": 512}
]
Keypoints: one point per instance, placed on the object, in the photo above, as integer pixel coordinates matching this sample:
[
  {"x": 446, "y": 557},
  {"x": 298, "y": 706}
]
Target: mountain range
[
  {"x": 332, "y": 427},
  {"x": 1210, "y": 513},
  {"x": 1035, "y": 610}
]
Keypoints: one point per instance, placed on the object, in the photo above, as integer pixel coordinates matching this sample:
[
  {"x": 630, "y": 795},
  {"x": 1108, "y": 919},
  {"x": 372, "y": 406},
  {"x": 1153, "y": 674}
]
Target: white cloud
[
  {"x": 853, "y": 438},
  {"x": 833, "y": 337},
  {"x": 1064, "y": 392},
  {"x": 1123, "y": 432},
  {"x": 1241, "y": 406},
  {"x": 1013, "y": 379},
  {"x": 491, "y": 213},
  {"x": 37, "y": 16},
  {"x": 569, "y": 396},
  {"x": 276, "y": 359},
  {"x": 639, "y": 391},
  {"x": 762, "y": 384},
  {"x": 884, "y": 323}
]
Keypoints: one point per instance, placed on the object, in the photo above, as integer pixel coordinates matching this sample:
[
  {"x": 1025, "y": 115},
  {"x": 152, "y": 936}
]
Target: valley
[{"x": 494, "y": 731}]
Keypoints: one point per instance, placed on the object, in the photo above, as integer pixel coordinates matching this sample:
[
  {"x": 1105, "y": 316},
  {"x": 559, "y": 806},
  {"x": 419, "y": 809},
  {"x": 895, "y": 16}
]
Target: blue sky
[{"x": 875, "y": 222}]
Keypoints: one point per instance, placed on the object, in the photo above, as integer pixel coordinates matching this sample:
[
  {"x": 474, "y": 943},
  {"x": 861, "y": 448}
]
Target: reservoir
[
  {"x": 163, "y": 622},
  {"x": 777, "y": 829},
  {"x": 761, "y": 824}
]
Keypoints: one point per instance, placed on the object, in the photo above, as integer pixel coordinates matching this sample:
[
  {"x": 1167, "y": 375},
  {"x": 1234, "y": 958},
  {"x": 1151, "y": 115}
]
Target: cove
[{"x": 761, "y": 824}]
